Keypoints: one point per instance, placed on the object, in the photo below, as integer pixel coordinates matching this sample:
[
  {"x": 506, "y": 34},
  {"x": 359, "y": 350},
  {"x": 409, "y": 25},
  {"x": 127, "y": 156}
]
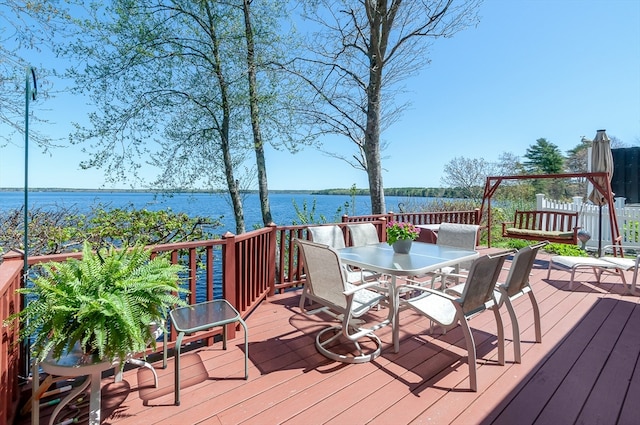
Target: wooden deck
[{"x": 587, "y": 370}]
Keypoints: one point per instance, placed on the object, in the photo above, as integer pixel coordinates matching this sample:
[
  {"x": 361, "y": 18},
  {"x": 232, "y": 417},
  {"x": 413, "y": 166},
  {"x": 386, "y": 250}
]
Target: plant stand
[{"x": 72, "y": 364}]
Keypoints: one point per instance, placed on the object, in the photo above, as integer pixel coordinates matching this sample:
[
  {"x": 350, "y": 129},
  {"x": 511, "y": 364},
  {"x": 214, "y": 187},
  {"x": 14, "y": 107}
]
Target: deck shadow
[
  {"x": 590, "y": 376},
  {"x": 294, "y": 348},
  {"x": 192, "y": 372},
  {"x": 428, "y": 357},
  {"x": 586, "y": 286}
]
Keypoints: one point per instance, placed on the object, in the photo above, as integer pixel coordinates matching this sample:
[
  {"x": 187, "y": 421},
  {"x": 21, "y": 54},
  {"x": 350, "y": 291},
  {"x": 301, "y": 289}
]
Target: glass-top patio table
[
  {"x": 422, "y": 258},
  {"x": 204, "y": 316}
]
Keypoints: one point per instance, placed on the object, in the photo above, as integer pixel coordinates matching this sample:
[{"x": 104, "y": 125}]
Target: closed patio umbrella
[{"x": 601, "y": 162}]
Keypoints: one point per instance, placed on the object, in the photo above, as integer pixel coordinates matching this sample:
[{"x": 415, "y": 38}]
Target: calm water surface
[
  {"x": 331, "y": 207},
  {"x": 217, "y": 206}
]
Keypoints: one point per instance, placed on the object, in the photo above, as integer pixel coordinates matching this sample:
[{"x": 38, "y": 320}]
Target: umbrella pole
[{"x": 600, "y": 232}]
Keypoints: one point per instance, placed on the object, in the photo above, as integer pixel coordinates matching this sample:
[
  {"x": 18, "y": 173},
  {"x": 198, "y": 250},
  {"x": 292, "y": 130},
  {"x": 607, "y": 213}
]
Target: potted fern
[{"x": 104, "y": 302}]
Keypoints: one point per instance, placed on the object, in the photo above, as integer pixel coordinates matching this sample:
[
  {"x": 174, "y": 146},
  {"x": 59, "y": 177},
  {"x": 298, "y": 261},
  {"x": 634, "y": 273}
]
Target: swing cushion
[{"x": 543, "y": 234}]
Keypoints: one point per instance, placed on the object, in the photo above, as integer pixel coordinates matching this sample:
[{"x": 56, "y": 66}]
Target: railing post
[
  {"x": 382, "y": 235},
  {"x": 477, "y": 217},
  {"x": 272, "y": 259},
  {"x": 229, "y": 286},
  {"x": 390, "y": 215}
]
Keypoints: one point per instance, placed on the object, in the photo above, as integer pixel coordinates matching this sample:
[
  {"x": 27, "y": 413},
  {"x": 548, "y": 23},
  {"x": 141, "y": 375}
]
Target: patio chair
[
  {"x": 460, "y": 236},
  {"x": 363, "y": 234},
  {"x": 516, "y": 285},
  {"x": 478, "y": 295},
  {"x": 605, "y": 263},
  {"x": 330, "y": 235},
  {"x": 329, "y": 291}
]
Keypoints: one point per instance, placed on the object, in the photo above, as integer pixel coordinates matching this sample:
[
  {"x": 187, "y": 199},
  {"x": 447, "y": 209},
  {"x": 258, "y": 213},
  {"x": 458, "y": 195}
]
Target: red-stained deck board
[
  {"x": 612, "y": 385},
  {"x": 554, "y": 327},
  {"x": 586, "y": 370},
  {"x": 574, "y": 390}
]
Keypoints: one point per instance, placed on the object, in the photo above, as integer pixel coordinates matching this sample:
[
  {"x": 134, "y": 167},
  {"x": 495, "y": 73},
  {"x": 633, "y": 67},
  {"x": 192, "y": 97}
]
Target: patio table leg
[
  {"x": 395, "y": 303},
  {"x": 177, "y": 368}
]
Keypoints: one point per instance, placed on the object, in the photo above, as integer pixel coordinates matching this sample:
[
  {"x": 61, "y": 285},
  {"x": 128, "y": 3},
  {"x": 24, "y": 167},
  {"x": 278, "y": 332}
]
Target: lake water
[
  {"x": 216, "y": 206},
  {"x": 208, "y": 205}
]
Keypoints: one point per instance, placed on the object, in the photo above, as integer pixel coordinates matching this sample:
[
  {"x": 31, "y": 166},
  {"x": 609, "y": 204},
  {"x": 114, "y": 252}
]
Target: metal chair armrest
[
  {"x": 361, "y": 287},
  {"x": 431, "y": 291}
]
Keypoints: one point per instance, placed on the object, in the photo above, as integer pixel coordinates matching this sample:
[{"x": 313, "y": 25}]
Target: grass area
[{"x": 552, "y": 248}]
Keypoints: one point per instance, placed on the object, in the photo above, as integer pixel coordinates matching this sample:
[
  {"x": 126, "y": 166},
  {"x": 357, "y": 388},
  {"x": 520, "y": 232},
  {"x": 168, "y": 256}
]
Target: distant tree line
[{"x": 427, "y": 192}]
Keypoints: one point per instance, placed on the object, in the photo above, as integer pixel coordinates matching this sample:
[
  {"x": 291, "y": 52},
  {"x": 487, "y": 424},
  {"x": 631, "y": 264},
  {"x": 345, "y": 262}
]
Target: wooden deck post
[{"x": 229, "y": 277}]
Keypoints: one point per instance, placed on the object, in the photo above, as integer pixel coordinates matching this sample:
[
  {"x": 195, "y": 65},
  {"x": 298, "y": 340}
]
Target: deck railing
[
  {"x": 247, "y": 268},
  {"x": 10, "y": 357},
  {"x": 425, "y": 217}
]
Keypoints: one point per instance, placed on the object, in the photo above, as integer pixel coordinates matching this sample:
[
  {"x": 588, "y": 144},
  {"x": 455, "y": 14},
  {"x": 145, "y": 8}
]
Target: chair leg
[
  {"x": 471, "y": 354},
  {"x": 517, "y": 356},
  {"x": 621, "y": 273},
  {"x": 597, "y": 272},
  {"x": 573, "y": 274},
  {"x": 536, "y": 317},
  {"x": 303, "y": 299},
  {"x": 634, "y": 282},
  {"x": 323, "y": 345},
  {"x": 500, "y": 326}
]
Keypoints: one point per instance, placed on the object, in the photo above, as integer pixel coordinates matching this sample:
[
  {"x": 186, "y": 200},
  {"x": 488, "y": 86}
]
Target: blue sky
[{"x": 558, "y": 69}]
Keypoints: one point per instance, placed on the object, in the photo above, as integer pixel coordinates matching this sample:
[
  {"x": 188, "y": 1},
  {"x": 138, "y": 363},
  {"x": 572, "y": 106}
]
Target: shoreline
[{"x": 397, "y": 191}]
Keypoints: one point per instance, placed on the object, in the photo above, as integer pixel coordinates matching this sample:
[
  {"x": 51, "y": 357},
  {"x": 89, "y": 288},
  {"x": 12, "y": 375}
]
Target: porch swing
[{"x": 552, "y": 226}]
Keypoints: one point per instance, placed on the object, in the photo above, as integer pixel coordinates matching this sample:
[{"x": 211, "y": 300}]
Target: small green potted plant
[
  {"x": 104, "y": 302},
  {"x": 400, "y": 235}
]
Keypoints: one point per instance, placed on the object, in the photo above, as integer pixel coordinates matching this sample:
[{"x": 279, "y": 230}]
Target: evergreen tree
[{"x": 546, "y": 158}]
